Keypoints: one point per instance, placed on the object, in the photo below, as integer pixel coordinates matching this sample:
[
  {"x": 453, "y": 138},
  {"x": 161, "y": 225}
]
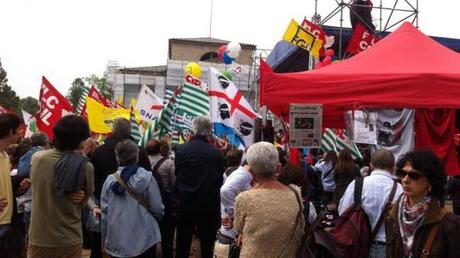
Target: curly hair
[{"x": 429, "y": 165}]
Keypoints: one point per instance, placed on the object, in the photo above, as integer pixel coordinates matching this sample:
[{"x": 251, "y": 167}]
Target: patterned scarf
[{"x": 410, "y": 219}]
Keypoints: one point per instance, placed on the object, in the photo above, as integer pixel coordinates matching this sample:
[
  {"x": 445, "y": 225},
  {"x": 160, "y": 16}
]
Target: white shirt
[
  {"x": 376, "y": 191},
  {"x": 237, "y": 182}
]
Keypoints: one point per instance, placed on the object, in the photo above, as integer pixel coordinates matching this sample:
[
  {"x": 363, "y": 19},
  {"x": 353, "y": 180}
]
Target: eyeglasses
[{"x": 414, "y": 175}]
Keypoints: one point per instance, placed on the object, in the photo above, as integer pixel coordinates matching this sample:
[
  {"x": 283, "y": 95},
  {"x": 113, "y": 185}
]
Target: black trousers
[
  {"x": 167, "y": 227},
  {"x": 207, "y": 224},
  {"x": 96, "y": 243},
  {"x": 150, "y": 253}
]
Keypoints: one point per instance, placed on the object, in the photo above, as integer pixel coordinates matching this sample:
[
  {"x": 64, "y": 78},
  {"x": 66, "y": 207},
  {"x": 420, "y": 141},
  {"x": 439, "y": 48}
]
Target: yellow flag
[
  {"x": 100, "y": 118},
  {"x": 298, "y": 36}
]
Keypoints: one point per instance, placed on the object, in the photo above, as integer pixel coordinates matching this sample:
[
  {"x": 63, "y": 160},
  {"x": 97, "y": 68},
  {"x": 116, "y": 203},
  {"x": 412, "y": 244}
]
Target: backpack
[
  {"x": 352, "y": 233},
  {"x": 316, "y": 241},
  {"x": 165, "y": 196}
]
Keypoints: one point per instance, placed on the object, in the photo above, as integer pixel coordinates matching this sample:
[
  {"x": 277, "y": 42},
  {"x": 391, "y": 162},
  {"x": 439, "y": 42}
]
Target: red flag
[
  {"x": 316, "y": 31},
  {"x": 4, "y": 110},
  {"x": 361, "y": 39},
  {"x": 53, "y": 106},
  {"x": 94, "y": 94}
]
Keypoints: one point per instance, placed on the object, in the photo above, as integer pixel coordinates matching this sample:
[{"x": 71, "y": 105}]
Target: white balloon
[{"x": 234, "y": 49}]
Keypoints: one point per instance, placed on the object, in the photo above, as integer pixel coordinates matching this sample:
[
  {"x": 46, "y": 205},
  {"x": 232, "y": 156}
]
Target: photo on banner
[{"x": 305, "y": 125}]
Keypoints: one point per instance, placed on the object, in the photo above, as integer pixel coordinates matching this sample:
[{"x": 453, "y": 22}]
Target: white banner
[
  {"x": 148, "y": 104},
  {"x": 305, "y": 125},
  {"x": 363, "y": 126}
]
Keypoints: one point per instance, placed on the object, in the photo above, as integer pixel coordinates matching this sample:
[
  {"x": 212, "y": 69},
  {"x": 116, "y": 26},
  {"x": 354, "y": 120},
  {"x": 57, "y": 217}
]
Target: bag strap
[
  {"x": 135, "y": 195},
  {"x": 328, "y": 172},
  {"x": 296, "y": 220},
  {"x": 358, "y": 190},
  {"x": 382, "y": 215},
  {"x": 429, "y": 242},
  {"x": 158, "y": 165}
]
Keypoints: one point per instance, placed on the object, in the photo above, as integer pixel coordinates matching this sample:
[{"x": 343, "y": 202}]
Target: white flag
[
  {"x": 26, "y": 117},
  {"x": 148, "y": 104},
  {"x": 231, "y": 113}
]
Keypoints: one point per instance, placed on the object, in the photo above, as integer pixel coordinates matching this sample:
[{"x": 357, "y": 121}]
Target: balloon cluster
[
  {"x": 228, "y": 53},
  {"x": 193, "y": 69},
  {"x": 326, "y": 60}
]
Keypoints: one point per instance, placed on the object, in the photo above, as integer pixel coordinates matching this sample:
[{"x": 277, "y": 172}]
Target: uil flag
[
  {"x": 53, "y": 106},
  {"x": 148, "y": 104},
  {"x": 231, "y": 113}
]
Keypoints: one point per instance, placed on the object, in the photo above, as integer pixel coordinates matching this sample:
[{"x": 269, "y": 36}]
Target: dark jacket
[
  {"x": 342, "y": 180},
  {"x": 453, "y": 188},
  {"x": 105, "y": 162},
  {"x": 445, "y": 244},
  {"x": 199, "y": 176}
]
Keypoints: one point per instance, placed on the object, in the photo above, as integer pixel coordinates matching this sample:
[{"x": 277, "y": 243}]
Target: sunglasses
[{"x": 411, "y": 174}]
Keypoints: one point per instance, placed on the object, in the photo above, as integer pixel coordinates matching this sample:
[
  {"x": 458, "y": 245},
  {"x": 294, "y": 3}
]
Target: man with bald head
[{"x": 375, "y": 194}]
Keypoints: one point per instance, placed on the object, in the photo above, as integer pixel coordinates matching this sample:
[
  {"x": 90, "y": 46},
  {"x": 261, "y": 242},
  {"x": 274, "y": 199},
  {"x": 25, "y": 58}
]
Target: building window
[{"x": 210, "y": 57}]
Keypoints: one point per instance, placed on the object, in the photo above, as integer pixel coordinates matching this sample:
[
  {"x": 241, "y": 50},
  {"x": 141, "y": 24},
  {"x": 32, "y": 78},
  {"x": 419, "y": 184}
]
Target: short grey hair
[
  {"x": 263, "y": 159},
  {"x": 127, "y": 153},
  {"x": 121, "y": 127},
  {"x": 202, "y": 125},
  {"x": 383, "y": 159},
  {"x": 39, "y": 139}
]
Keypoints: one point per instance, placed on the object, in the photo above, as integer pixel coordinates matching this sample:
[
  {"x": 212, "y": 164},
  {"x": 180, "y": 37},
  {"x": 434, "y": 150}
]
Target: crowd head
[
  {"x": 263, "y": 159},
  {"x": 39, "y": 139},
  {"x": 9, "y": 127},
  {"x": 383, "y": 159},
  {"x": 69, "y": 132},
  {"x": 423, "y": 172},
  {"x": 202, "y": 126},
  {"x": 121, "y": 127},
  {"x": 127, "y": 153}
]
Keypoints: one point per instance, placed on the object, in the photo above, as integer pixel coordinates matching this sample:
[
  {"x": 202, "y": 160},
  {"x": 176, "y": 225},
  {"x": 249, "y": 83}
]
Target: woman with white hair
[
  {"x": 268, "y": 218},
  {"x": 130, "y": 204}
]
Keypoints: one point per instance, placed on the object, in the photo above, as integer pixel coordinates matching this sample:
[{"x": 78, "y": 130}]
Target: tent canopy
[{"x": 405, "y": 69}]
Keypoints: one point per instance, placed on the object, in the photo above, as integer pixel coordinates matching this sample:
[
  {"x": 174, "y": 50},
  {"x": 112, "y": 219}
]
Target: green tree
[
  {"x": 101, "y": 85},
  {"x": 30, "y": 105},
  {"x": 8, "y": 97},
  {"x": 75, "y": 92}
]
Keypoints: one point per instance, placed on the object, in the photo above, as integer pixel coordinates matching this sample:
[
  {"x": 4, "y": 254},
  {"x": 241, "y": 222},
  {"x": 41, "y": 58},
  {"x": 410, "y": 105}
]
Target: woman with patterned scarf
[{"x": 418, "y": 224}]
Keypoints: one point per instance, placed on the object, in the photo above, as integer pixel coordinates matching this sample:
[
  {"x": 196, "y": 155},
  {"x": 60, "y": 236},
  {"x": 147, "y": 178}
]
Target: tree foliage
[
  {"x": 101, "y": 85},
  {"x": 75, "y": 92},
  {"x": 8, "y": 97},
  {"x": 30, "y": 105}
]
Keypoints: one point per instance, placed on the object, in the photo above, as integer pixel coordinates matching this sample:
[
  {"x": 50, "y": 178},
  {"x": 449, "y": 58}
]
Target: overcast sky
[{"x": 67, "y": 39}]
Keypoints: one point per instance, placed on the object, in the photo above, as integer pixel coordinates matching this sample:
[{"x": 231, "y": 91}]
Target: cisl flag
[
  {"x": 361, "y": 39},
  {"x": 148, "y": 104},
  {"x": 53, "y": 106}
]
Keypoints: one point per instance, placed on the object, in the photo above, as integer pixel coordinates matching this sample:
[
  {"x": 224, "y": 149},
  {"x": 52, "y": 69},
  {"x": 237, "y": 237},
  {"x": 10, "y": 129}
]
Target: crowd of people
[{"x": 122, "y": 200}]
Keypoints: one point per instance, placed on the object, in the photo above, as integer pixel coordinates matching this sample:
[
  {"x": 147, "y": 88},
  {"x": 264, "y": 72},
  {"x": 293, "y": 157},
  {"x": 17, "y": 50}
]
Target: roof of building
[
  {"x": 158, "y": 70},
  {"x": 208, "y": 40}
]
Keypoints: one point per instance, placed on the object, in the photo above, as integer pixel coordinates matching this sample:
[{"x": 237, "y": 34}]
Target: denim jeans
[{"x": 378, "y": 251}]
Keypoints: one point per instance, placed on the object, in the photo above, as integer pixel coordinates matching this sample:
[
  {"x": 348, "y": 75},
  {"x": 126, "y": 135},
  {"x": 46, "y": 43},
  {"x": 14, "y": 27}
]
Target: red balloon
[
  {"x": 221, "y": 51},
  {"x": 330, "y": 52},
  {"x": 327, "y": 60}
]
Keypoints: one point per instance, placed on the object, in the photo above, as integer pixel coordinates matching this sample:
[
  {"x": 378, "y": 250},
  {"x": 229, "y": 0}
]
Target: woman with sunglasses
[{"x": 418, "y": 225}]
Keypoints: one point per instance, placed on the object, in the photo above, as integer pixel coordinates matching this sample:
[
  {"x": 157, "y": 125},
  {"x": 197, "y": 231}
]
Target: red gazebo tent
[{"x": 405, "y": 69}]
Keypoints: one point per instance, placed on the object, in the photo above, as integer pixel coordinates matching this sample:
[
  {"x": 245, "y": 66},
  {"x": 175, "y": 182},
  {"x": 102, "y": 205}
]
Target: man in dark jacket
[
  {"x": 105, "y": 163},
  {"x": 199, "y": 176}
]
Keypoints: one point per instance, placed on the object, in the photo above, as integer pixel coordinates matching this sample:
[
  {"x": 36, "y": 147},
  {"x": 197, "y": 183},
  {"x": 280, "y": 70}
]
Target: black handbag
[{"x": 234, "y": 250}]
